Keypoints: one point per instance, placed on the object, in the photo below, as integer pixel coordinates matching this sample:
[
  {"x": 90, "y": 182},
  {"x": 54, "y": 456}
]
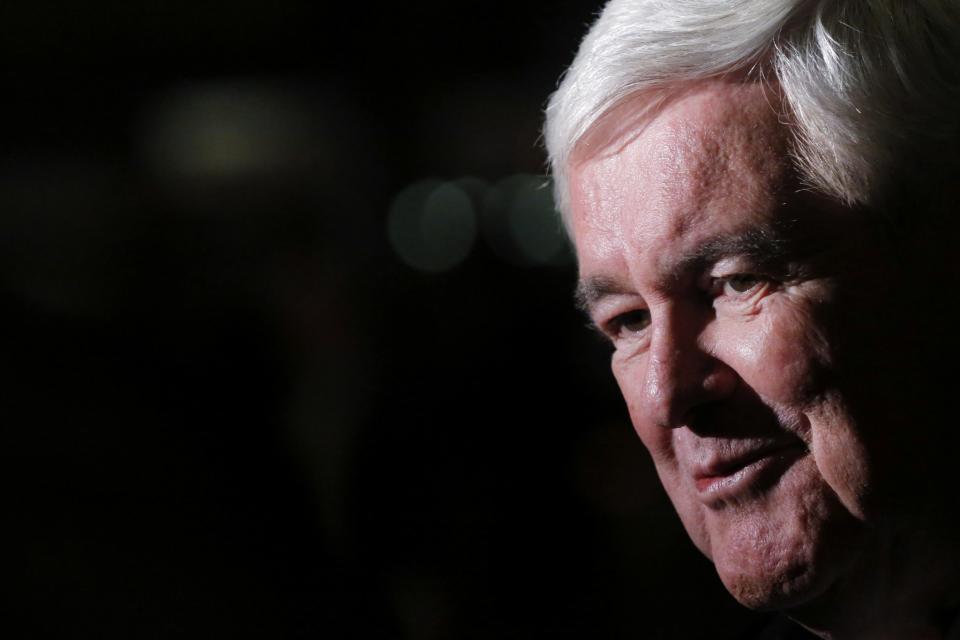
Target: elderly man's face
[{"x": 758, "y": 337}]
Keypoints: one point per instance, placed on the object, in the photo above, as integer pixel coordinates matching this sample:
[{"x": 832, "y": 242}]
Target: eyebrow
[{"x": 764, "y": 244}]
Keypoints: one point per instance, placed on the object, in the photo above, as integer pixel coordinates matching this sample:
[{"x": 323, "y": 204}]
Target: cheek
[
  {"x": 779, "y": 354},
  {"x": 840, "y": 453},
  {"x": 785, "y": 358}
]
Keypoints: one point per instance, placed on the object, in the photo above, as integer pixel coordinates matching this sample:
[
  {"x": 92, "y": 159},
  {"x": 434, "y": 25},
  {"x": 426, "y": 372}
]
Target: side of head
[{"x": 723, "y": 169}]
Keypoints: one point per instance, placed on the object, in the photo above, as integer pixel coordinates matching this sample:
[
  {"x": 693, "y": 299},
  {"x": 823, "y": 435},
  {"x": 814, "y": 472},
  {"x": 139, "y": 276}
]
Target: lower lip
[{"x": 749, "y": 477}]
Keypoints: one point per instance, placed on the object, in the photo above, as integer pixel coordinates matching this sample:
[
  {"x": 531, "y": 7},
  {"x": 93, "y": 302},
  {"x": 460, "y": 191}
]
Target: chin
[
  {"x": 784, "y": 549},
  {"x": 763, "y": 568},
  {"x": 763, "y": 590}
]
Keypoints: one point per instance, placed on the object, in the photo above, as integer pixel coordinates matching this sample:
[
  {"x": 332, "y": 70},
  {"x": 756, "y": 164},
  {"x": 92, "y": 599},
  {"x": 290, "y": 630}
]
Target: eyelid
[
  {"x": 736, "y": 265},
  {"x": 611, "y": 306}
]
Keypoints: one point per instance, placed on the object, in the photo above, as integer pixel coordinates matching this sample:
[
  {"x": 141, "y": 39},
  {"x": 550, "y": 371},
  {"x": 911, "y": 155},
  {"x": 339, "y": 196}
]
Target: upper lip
[{"x": 718, "y": 465}]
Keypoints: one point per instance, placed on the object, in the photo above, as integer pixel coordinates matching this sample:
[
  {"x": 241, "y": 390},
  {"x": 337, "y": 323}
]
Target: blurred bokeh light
[
  {"x": 521, "y": 222},
  {"x": 432, "y": 225},
  {"x": 228, "y": 130}
]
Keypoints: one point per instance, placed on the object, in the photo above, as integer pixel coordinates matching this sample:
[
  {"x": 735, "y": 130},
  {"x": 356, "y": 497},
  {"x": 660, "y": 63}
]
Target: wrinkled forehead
[{"x": 710, "y": 157}]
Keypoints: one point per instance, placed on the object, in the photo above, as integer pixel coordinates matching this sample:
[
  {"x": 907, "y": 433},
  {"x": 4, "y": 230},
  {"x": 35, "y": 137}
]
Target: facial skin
[{"x": 762, "y": 340}]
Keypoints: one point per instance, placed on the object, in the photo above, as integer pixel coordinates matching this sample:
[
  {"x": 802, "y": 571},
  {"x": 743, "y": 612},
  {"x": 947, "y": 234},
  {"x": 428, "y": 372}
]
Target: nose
[{"x": 681, "y": 373}]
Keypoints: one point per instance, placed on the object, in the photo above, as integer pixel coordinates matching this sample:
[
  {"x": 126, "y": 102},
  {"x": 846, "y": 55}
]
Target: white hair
[{"x": 872, "y": 87}]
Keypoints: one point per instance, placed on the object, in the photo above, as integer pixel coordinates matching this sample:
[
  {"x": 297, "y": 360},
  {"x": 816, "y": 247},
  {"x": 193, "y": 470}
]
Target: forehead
[{"x": 713, "y": 160}]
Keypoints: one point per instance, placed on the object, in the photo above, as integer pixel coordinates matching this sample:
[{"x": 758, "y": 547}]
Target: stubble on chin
[{"x": 786, "y": 548}]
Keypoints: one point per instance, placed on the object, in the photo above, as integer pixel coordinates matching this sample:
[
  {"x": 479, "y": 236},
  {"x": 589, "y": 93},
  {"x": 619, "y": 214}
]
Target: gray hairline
[{"x": 829, "y": 73}]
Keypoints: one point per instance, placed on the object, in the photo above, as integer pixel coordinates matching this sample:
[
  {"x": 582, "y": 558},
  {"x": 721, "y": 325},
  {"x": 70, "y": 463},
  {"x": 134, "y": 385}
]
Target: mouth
[{"x": 726, "y": 478}]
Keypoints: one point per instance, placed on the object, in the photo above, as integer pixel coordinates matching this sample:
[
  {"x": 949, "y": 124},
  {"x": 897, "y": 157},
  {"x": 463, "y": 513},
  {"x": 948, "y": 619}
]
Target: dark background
[{"x": 288, "y": 341}]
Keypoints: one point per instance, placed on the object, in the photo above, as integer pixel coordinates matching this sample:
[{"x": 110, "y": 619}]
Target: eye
[
  {"x": 741, "y": 291},
  {"x": 627, "y": 324},
  {"x": 740, "y": 283}
]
